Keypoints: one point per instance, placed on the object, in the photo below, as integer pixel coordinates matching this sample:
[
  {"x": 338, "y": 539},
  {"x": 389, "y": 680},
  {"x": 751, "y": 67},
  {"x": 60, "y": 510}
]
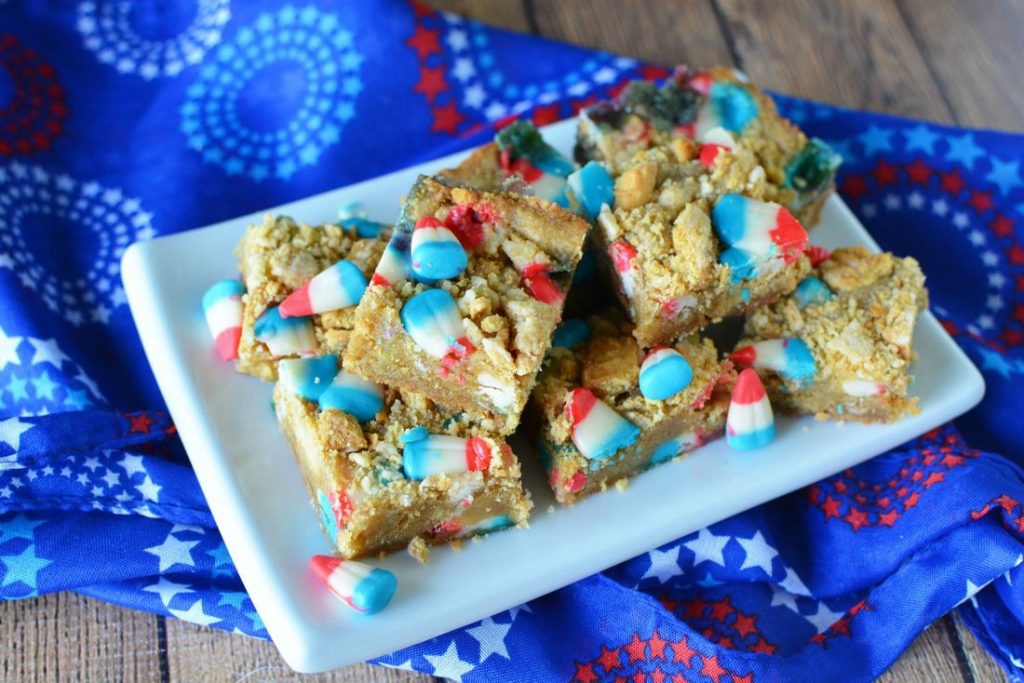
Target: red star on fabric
[
  {"x": 840, "y": 486},
  {"x": 978, "y": 514},
  {"x": 1002, "y": 226},
  {"x": 694, "y": 609},
  {"x": 952, "y": 182},
  {"x": 637, "y": 649},
  {"x": 749, "y": 678},
  {"x": 545, "y": 115},
  {"x": 1020, "y": 525},
  {"x": 577, "y": 105},
  {"x": 744, "y": 624},
  {"x": 911, "y": 500},
  {"x": 431, "y": 83},
  {"x": 1016, "y": 255},
  {"x": 421, "y": 10},
  {"x": 929, "y": 458},
  {"x": 763, "y": 647},
  {"x": 1007, "y": 503},
  {"x": 657, "y": 644},
  {"x": 883, "y": 501},
  {"x": 446, "y": 119},
  {"x": 1020, "y": 283},
  {"x": 639, "y": 677},
  {"x": 424, "y": 41},
  {"x": 668, "y": 603},
  {"x": 917, "y": 476},
  {"x": 721, "y": 609},
  {"x": 857, "y": 519},
  {"x": 812, "y": 493},
  {"x": 1018, "y": 312},
  {"x": 653, "y": 73},
  {"x": 712, "y": 668},
  {"x": 682, "y": 652},
  {"x": 140, "y": 423},
  {"x": 841, "y": 626},
  {"x": 885, "y": 174},
  {"x": 819, "y": 638},
  {"x": 854, "y": 186},
  {"x": 981, "y": 201},
  {"x": 726, "y": 642},
  {"x": 585, "y": 673},
  {"x": 918, "y": 172},
  {"x": 657, "y": 676},
  {"x": 609, "y": 659},
  {"x": 678, "y": 678},
  {"x": 889, "y": 518},
  {"x": 616, "y": 90},
  {"x": 860, "y": 607},
  {"x": 1013, "y": 337},
  {"x": 831, "y": 507},
  {"x": 933, "y": 479},
  {"x": 861, "y": 499}
]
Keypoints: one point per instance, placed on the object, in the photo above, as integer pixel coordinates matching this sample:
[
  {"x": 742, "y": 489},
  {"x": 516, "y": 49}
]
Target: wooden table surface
[{"x": 948, "y": 61}]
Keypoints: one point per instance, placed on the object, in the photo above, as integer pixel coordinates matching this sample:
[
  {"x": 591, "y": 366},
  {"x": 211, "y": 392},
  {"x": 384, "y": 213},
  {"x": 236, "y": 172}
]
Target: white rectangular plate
[{"x": 257, "y": 496}]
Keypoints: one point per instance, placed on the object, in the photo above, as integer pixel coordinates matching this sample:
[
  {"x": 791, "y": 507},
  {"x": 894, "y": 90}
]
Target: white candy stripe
[
  {"x": 862, "y": 387},
  {"x": 719, "y": 136},
  {"x": 224, "y": 315},
  {"x": 759, "y": 218},
  {"x": 548, "y": 186},
  {"x": 346, "y": 576},
  {"x": 745, "y": 418},
  {"x": 602, "y": 423},
  {"x": 326, "y": 292},
  {"x": 771, "y": 355}
]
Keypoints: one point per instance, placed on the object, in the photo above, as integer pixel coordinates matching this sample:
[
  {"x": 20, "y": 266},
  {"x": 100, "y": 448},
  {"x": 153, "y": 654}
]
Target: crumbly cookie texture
[
  {"x": 473, "y": 342},
  {"x": 587, "y": 453},
  {"x": 277, "y": 258},
  {"x": 662, "y": 249},
  {"x": 366, "y": 502},
  {"x": 855, "y": 315},
  {"x": 800, "y": 171}
]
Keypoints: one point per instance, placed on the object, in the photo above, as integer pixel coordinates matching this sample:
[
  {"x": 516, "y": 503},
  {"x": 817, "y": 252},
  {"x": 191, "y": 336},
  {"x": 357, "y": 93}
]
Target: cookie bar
[
  {"x": 385, "y": 467},
  {"x": 841, "y": 345},
  {"x": 712, "y": 108},
  {"x": 280, "y": 258},
  {"x": 607, "y": 412},
  {"x": 688, "y": 244},
  {"x": 466, "y": 297}
]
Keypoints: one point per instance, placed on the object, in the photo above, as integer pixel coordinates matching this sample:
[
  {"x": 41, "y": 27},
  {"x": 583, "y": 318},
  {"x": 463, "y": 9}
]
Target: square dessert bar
[
  {"x": 715, "y": 108},
  {"x": 386, "y": 467},
  {"x": 282, "y": 257},
  {"x": 841, "y": 345},
  {"x": 687, "y": 244},
  {"x": 607, "y": 412},
  {"x": 466, "y": 298}
]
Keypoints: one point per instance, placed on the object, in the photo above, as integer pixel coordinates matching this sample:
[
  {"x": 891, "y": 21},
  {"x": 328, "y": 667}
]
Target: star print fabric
[{"x": 122, "y": 122}]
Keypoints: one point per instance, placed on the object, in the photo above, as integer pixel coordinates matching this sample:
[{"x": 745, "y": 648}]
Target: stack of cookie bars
[{"x": 405, "y": 356}]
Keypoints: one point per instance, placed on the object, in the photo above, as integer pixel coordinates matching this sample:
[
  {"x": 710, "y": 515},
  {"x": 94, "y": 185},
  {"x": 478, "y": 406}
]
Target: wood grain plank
[
  {"x": 510, "y": 14},
  {"x": 856, "y": 53},
  {"x": 928, "y": 659},
  {"x": 663, "y": 32},
  {"x": 201, "y": 653},
  {"x": 982, "y": 667},
  {"x": 975, "y": 50},
  {"x": 67, "y": 637}
]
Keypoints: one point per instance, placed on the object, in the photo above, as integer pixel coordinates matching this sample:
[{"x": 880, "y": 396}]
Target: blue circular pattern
[
  {"x": 220, "y": 107},
  {"x": 108, "y": 30}
]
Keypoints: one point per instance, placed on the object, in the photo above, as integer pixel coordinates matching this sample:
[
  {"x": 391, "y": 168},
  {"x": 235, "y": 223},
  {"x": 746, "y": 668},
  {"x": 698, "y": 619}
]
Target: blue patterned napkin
[{"x": 121, "y": 122}]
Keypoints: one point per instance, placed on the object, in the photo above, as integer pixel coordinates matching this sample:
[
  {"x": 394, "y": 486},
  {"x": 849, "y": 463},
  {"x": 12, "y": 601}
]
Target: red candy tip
[
  {"x": 323, "y": 566},
  {"x": 227, "y": 343},
  {"x": 745, "y": 356},
  {"x": 297, "y": 304},
  {"x": 429, "y": 222},
  {"x": 817, "y": 254},
  {"x": 749, "y": 388},
  {"x": 580, "y": 403}
]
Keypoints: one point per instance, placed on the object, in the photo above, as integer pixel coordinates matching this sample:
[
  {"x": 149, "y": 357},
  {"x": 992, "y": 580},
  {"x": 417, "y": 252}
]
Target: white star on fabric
[
  {"x": 47, "y": 351},
  {"x": 457, "y": 41},
  {"x": 990, "y": 258},
  {"x": 513, "y": 612},
  {"x": 604, "y": 75},
  {"x": 491, "y": 637},
  {"x": 133, "y": 464},
  {"x": 449, "y": 665},
  {"x": 8, "y": 349},
  {"x": 915, "y": 200},
  {"x": 188, "y": 527},
  {"x": 793, "y": 584},
  {"x": 823, "y": 618},
  {"x": 173, "y": 551},
  {"x": 112, "y": 478},
  {"x": 976, "y": 237},
  {"x": 167, "y": 590},
  {"x": 149, "y": 489},
  {"x": 10, "y": 462},
  {"x": 495, "y": 111},
  {"x": 708, "y": 548},
  {"x": 195, "y": 614},
  {"x": 994, "y": 301},
  {"x": 464, "y": 69},
  {"x": 6, "y": 261},
  {"x": 11, "y": 431},
  {"x": 664, "y": 565},
  {"x": 759, "y": 553},
  {"x": 474, "y": 96},
  {"x": 972, "y": 590},
  {"x": 784, "y": 598},
  {"x": 91, "y": 464},
  {"x": 960, "y": 219},
  {"x": 940, "y": 207}
]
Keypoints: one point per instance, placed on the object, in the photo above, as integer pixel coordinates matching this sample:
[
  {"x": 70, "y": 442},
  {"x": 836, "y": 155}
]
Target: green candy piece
[{"x": 813, "y": 168}]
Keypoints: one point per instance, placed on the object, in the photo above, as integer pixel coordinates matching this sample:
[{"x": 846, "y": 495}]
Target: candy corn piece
[
  {"x": 393, "y": 267},
  {"x": 432, "y": 319},
  {"x": 750, "y": 423},
  {"x": 538, "y": 282},
  {"x": 590, "y": 188},
  {"x": 363, "y": 588},
  {"x": 426, "y": 454},
  {"x": 714, "y": 142},
  {"x": 757, "y": 233},
  {"x": 812, "y": 290},
  {"x": 340, "y": 286},
  {"x": 727, "y": 105},
  {"x": 664, "y": 373},
  {"x": 307, "y": 377},
  {"x": 622, "y": 254},
  {"x": 436, "y": 252},
  {"x": 676, "y": 446},
  {"x": 285, "y": 336},
  {"x": 790, "y": 357},
  {"x": 360, "y": 398},
  {"x": 597, "y": 430},
  {"x": 222, "y": 308}
]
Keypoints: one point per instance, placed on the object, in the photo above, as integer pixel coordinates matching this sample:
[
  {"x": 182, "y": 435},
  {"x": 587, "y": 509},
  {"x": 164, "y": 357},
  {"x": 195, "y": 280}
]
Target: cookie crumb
[{"x": 419, "y": 550}]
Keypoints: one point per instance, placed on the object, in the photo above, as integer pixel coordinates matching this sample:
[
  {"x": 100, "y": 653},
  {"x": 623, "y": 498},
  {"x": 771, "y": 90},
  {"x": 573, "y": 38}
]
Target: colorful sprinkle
[
  {"x": 597, "y": 430},
  {"x": 340, "y": 286},
  {"x": 307, "y": 377},
  {"x": 538, "y": 282},
  {"x": 812, "y": 290},
  {"x": 677, "y": 446},
  {"x": 428, "y": 454},
  {"x": 222, "y": 308},
  {"x": 790, "y": 357},
  {"x": 432, "y": 319},
  {"x": 571, "y": 333},
  {"x": 285, "y": 336},
  {"x": 436, "y": 251},
  {"x": 759, "y": 235},
  {"x": 360, "y": 398},
  {"x": 589, "y": 189},
  {"x": 664, "y": 373},
  {"x": 750, "y": 423},
  {"x": 363, "y": 588}
]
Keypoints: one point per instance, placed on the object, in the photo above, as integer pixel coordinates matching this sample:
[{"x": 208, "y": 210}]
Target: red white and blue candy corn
[
  {"x": 307, "y": 377},
  {"x": 364, "y": 588},
  {"x": 352, "y": 217},
  {"x": 393, "y": 267},
  {"x": 432, "y": 319},
  {"x": 222, "y": 308},
  {"x": 340, "y": 286},
  {"x": 727, "y": 106},
  {"x": 790, "y": 357},
  {"x": 485, "y": 526},
  {"x": 538, "y": 282},
  {"x": 622, "y": 255},
  {"x": 589, "y": 189},
  {"x": 436, "y": 252},
  {"x": 750, "y": 423},
  {"x": 426, "y": 454},
  {"x": 863, "y": 387},
  {"x": 714, "y": 142},
  {"x": 597, "y": 430},
  {"x": 664, "y": 373},
  {"x": 810, "y": 291},
  {"x": 761, "y": 235},
  {"x": 285, "y": 336},
  {"x": 683, "y": 443},
  {"x": 360, "y": 398},
  {"x": 524, "y": 152}
]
